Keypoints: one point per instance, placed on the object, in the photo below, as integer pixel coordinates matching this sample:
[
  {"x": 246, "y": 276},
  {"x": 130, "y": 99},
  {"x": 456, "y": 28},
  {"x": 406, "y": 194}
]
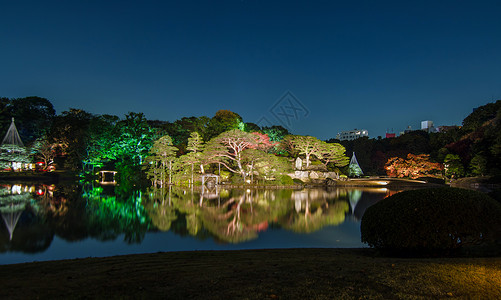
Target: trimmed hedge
[{"x": 435, "y": 220}]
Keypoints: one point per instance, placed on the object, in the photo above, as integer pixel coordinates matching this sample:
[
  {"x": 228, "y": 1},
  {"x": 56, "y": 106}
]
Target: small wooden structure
[
  {"x": 105, "y": 177},
  {"x": 208, "y": 179}
]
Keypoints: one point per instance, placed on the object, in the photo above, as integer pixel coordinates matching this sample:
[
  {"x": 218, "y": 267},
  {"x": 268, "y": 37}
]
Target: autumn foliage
[{"x": 414, "y": 166}]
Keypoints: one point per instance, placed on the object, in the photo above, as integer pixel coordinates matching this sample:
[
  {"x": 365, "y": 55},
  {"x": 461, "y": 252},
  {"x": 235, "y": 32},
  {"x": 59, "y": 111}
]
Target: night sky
[{"x": 328, "y": 65}]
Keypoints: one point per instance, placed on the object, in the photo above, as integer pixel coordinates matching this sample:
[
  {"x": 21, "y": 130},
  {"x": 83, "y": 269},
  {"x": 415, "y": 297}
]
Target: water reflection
[
  {"x": 20, "y": 213},
  {"x": 239, "y": 215},
  {"x": 33, "y": 215}
]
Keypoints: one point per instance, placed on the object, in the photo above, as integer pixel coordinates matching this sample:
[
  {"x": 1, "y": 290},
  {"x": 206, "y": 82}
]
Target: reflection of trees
[
  {"x": 160, "y": 209},
  {"x": 24, "y": 230},
  {"x": 64, "y": 211},
  {"x": 315, "y": 209},
  {"x": 234, "y": 217},
  {"x": 111, "y": 215}
]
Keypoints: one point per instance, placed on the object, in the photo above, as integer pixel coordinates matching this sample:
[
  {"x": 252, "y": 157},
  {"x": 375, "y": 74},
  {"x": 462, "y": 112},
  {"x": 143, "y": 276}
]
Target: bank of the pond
[
  {"x": 255, "y": 274},
  {"x": 39, "y": 177}
]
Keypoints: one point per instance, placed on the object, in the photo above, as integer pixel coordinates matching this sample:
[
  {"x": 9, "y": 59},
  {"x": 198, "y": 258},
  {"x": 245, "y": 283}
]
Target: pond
[{"x": 49, "y": 222}]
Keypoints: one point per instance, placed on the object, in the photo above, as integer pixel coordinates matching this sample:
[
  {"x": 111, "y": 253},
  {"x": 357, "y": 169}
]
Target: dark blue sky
[{"x": 349, "y": 64}]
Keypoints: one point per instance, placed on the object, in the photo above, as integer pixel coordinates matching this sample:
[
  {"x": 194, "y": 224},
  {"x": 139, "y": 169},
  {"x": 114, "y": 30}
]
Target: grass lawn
[{"x": 255, "y": 274}]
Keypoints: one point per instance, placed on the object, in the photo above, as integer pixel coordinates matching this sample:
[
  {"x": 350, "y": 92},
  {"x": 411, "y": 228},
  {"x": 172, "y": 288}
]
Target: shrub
[
  {"x": 432, "y": 221},
  {"x": 286, "y": 180}
]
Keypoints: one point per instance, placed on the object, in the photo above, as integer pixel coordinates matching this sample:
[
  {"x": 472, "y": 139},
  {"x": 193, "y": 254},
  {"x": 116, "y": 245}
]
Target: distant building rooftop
[{"x": 352, "y": 134}]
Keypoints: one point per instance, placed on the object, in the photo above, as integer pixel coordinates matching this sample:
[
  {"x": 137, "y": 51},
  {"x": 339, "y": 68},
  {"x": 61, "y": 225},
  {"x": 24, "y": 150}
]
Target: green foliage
[
  {"x": 69, "y": 133},
  {"x": 453, "y": 166},
  {"x": 286, "y": 180},
  {"x": 159, "y": 162},
  {"x": 481, "y": 115},
  {"x": 223, "y": 120},
  {"x": 33, "y": 116},
  {"x": 14, "y": 153},
  {"x": 354, "y": 170},
  {"x": 432, "y": 221},
  {"x": 117, "y": 215},
  {"x": 478, "y": 165},
  {"x": 276, "y": 133}
]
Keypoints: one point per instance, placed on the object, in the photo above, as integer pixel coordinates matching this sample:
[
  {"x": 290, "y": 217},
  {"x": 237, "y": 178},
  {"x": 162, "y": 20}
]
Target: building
[
  {"x": 427, "y": 126},
  {"x": 352, "y": 134}
]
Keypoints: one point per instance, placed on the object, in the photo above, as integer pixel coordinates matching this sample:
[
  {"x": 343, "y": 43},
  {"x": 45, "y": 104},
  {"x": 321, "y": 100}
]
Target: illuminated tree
[
  {"x": 162, "y": 154},
  {"x": 276, "y": 133},
  {"x": 264, "y": 165},
  {"x": 227, "y": 149},
  {"x": 195, "y": 146},
  {"x": 11, "y": 154},
  {"x": 102, "y": 136},
  {"x": 44, "y": 150},
  {"x": 307, "y": 146},
  {"x": 333, "y": 153},
  {"x": 414, "y": 166},
  {"x": 136, "y": 138},
  {"x": 263, "y": 142}
]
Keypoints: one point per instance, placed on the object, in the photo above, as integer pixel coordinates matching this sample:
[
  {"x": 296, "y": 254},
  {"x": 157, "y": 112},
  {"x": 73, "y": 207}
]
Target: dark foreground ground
[{"x": 255, "y": 274}]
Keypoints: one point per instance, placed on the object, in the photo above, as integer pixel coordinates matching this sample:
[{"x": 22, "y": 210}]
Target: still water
[{"x": 48, "y": 222}]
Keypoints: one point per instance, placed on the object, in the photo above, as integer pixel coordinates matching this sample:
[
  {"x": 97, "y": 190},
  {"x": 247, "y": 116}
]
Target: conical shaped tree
[{"x": 354, "y": 169}]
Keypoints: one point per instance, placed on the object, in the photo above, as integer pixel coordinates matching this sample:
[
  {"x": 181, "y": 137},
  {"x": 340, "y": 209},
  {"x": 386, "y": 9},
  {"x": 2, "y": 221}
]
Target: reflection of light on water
[
  {"x": 297, "y": 205},
  {"x": 16, "y": 188},
  {"x": 354, "y": 197},
  {"x": 382, "y": 182},
  {"x": 384, "y": 190}
]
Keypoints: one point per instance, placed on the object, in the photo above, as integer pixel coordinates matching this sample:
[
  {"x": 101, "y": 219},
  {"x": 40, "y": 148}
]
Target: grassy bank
[{"x": 256, "y": 274}]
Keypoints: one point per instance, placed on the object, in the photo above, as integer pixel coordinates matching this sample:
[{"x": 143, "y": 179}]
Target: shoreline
[{"x": 309, "y": 273}]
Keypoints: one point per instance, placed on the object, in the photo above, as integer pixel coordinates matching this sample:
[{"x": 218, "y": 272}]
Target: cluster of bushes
[{"x": 434, "y": 221}]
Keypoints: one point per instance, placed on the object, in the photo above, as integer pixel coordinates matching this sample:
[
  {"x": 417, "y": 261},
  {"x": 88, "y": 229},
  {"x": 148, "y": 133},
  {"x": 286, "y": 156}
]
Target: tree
[
  {"x": 478, "y": 165},
  {"x": 333, "y": 153},
  {"x": 276, "y": 132},
  {"x": 307, "y": 145},
  {"x": 195, "y": 146},
  {"x": 265, "y": 165},
  {"x": 45, "y": 150},
  {"x": 102, "y": 136},
  {"x": 12, "y": 155},
  {"x": 453, "y": 166},
  {"x": 227, "y": 149},
  {"x": 162, "y": 154},
  {"x": 223, "y": 120},
  {"x": 69, "y": 133},
  {"x": 263, "y": 142},
  {"x": 33, "y": 116},
  {"x": 414, "y": 166}
]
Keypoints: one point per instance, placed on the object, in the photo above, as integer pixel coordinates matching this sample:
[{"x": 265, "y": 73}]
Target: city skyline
[{"x": 318, "y": 67}]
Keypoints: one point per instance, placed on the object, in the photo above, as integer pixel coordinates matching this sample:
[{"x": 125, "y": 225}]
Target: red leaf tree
[{"x": 414, "y": 166}]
